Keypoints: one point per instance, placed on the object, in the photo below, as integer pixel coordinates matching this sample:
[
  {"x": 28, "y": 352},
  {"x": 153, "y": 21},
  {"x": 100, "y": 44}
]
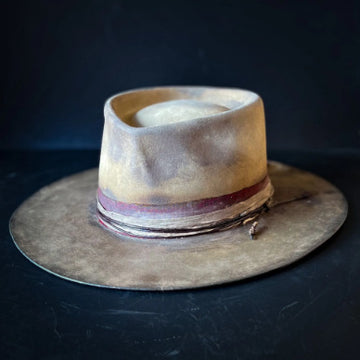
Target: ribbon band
[{"x": 183, "y": 219}]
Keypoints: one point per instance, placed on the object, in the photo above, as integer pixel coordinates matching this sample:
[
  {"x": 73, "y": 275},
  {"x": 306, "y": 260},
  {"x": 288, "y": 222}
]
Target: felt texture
[{"x": 205, "y": 157}]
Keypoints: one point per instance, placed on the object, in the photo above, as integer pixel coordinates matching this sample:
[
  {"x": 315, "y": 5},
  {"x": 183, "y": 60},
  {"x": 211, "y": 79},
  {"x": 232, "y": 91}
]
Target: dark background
[{"x": 62, "y": 59}]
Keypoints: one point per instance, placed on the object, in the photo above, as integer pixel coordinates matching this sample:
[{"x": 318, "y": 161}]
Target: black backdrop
[{"x": 62, "y": 59}]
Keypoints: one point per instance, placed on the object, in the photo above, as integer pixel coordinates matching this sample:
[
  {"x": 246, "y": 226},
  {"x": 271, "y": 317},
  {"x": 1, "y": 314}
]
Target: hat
[{"x": 184, "y": 197}]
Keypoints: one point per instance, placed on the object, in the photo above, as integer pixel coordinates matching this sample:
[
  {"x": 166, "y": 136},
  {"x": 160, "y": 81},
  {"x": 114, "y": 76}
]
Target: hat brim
[{"x": 57, "y": 229}]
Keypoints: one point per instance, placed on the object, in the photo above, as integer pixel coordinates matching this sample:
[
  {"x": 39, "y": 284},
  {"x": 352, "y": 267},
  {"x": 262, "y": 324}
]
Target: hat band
[{"x": 183, "y": 219}]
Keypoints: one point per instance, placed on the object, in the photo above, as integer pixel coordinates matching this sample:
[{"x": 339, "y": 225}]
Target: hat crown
[
  {"x": 208, "y": 156},
  {"x": 170, "y": 155}
]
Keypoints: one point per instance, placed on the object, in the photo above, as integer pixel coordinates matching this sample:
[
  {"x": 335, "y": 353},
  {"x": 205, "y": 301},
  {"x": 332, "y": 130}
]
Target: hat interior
[{"x": 154, "y": 107}]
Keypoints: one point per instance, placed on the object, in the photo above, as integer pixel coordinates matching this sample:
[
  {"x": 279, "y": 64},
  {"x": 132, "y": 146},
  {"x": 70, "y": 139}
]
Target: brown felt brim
[{"x": 57, "y": 230}]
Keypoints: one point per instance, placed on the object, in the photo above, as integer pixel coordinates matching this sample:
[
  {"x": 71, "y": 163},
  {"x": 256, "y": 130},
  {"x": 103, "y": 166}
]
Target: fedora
[{"x": 184, "y": 197}]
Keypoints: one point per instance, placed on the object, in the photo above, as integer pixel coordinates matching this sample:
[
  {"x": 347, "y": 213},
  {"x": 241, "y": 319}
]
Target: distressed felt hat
[{"x": 184, "y": 197}]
